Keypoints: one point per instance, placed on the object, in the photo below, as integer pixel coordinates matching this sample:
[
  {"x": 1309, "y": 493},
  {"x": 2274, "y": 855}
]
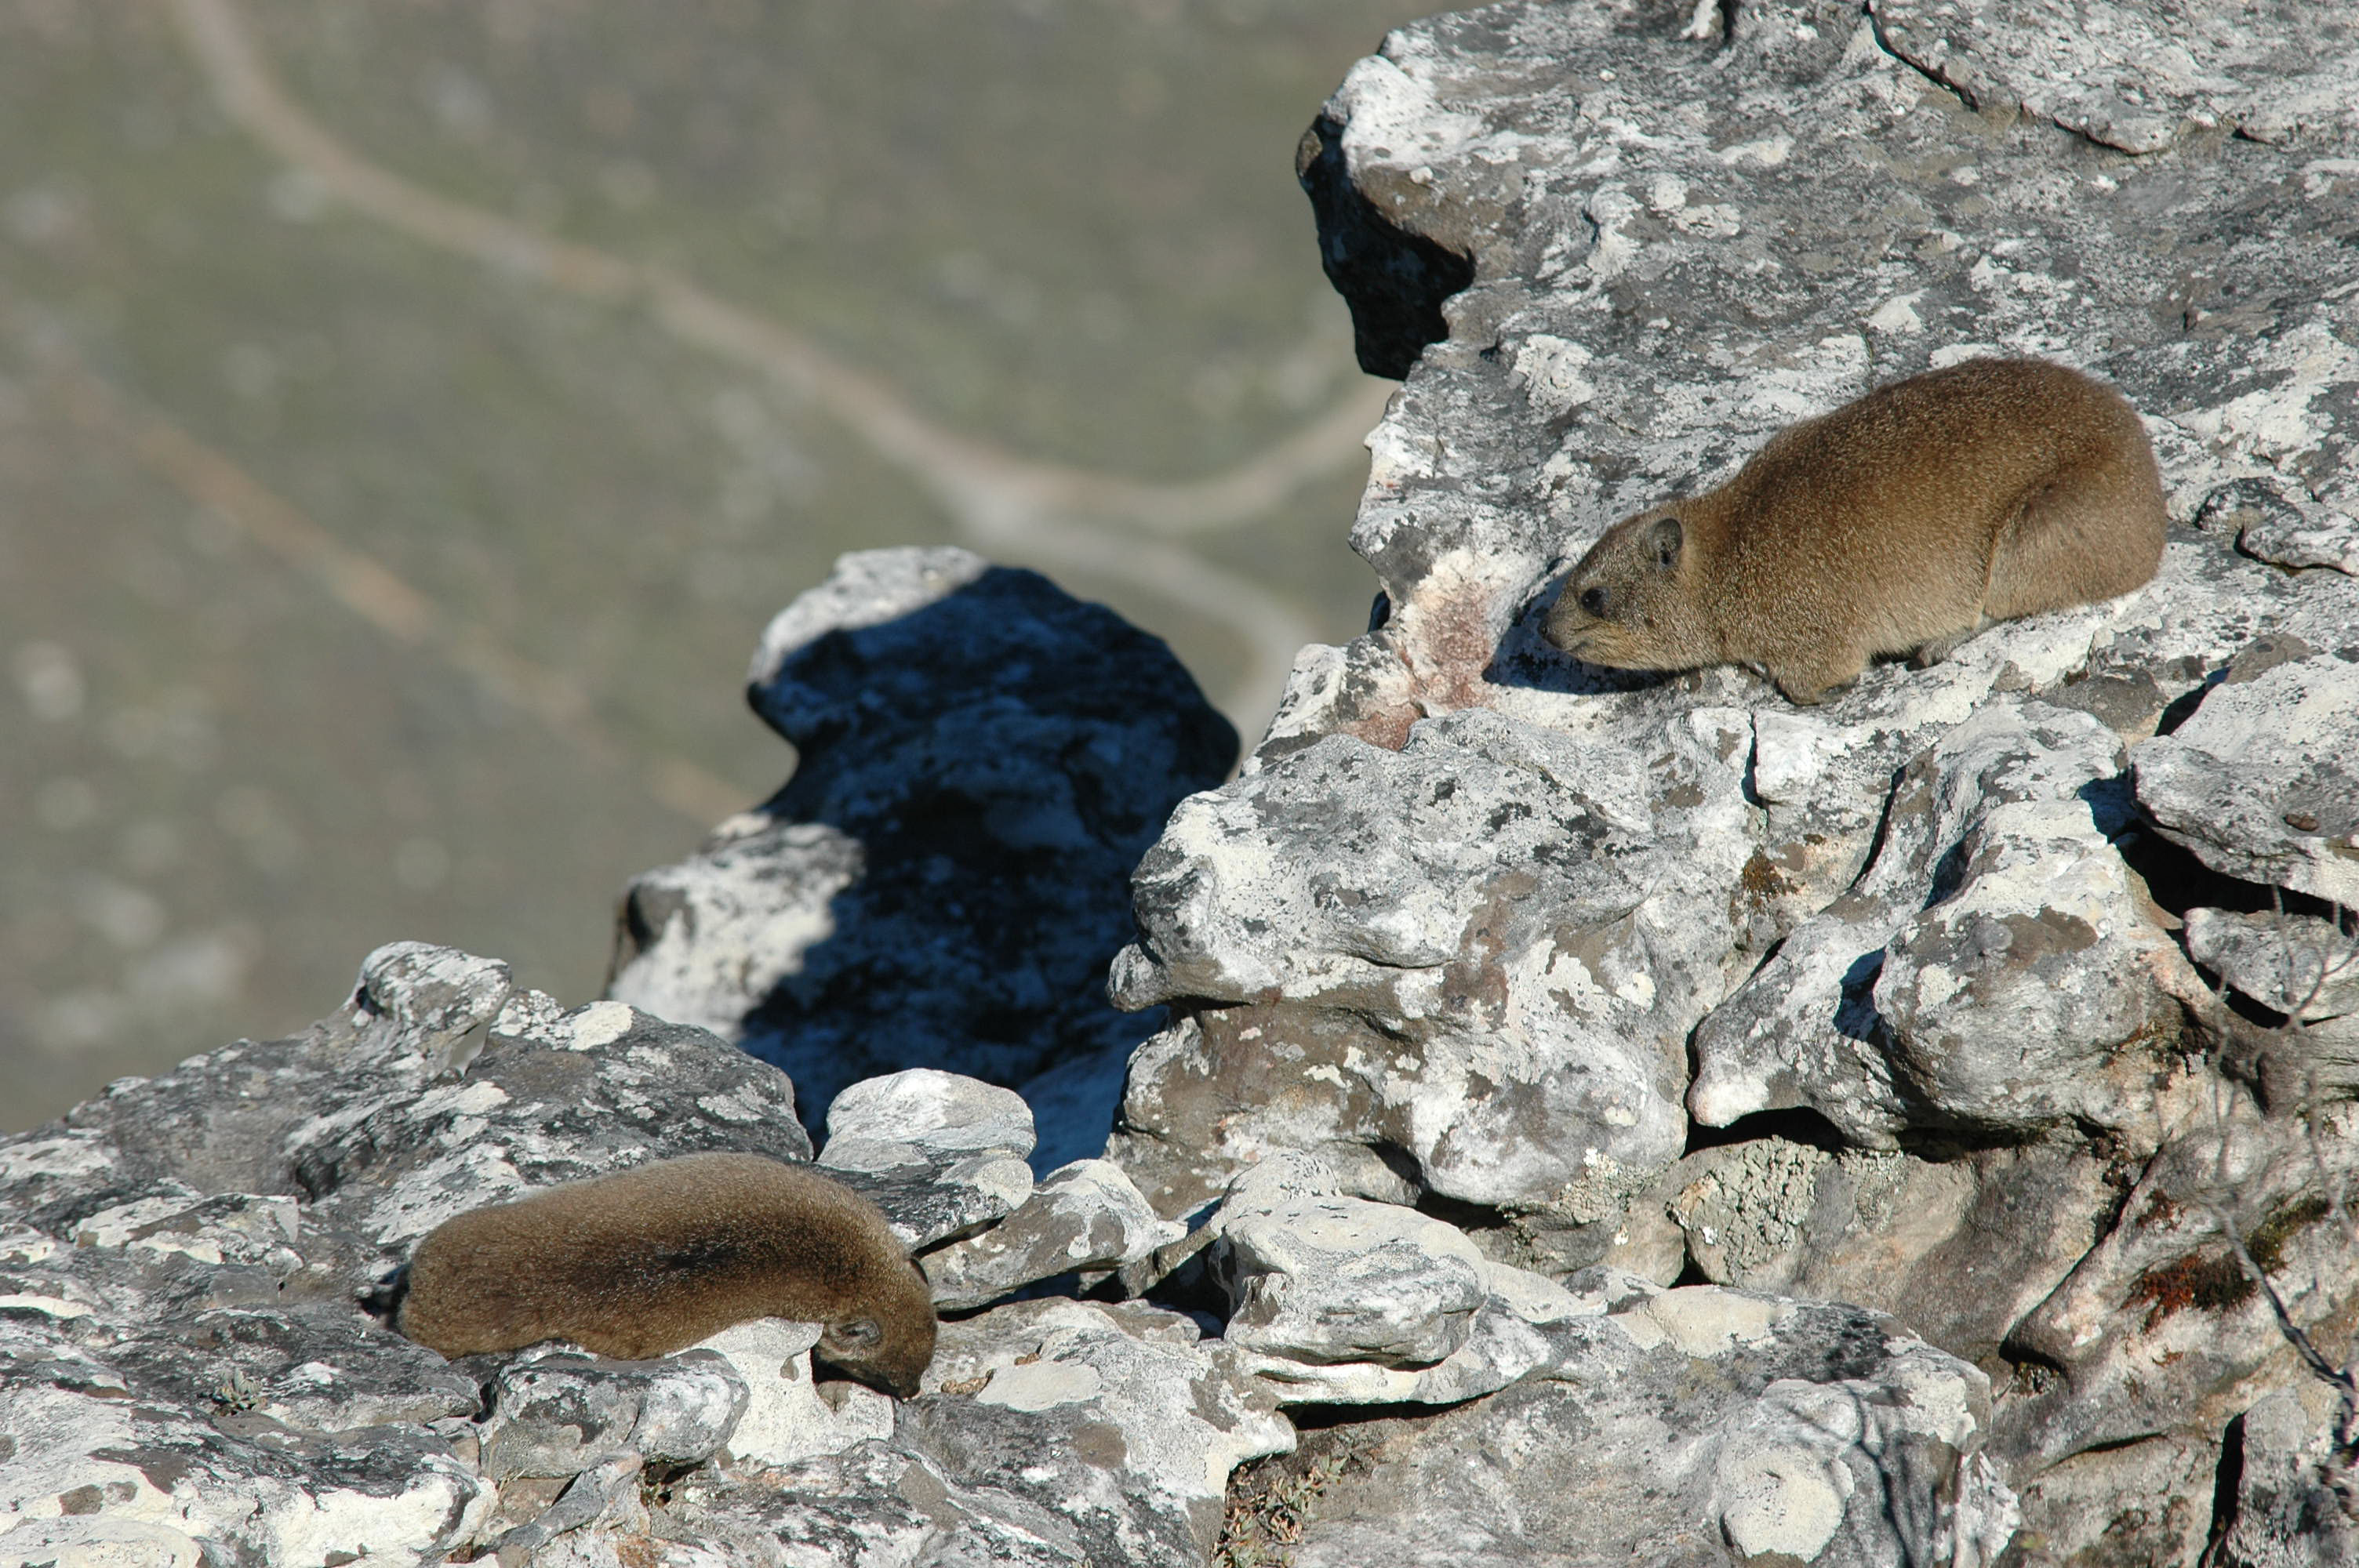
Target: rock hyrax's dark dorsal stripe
[{"x": 646, "y": 1260}]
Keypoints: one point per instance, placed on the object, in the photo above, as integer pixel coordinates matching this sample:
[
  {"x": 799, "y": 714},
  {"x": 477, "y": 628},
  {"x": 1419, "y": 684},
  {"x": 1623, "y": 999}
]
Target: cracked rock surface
[
  {"x": 194, "y": 1366},
  {"x": 1993, "y": 995},
  {"x": 1695, "y": 1425}
]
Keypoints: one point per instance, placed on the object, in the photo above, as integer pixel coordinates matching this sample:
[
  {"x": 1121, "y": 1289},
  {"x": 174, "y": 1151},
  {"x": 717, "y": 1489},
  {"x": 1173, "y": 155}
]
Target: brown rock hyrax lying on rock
[
  {"x": 648, "y": 1261},
  {"x": 1905, "y": 522}
]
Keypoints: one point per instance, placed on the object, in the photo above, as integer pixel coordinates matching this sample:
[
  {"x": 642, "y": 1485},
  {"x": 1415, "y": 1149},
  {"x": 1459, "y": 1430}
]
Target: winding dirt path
[
  {"x": 362, "y": 584},
  {"x": 1109, "y": 526}
]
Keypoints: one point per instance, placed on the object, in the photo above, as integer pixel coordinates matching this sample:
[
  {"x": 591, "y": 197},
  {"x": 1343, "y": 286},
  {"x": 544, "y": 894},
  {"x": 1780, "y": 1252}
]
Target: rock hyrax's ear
[
  {"x": 857, "y": 1333},
  {"x": 1664, "y": 540}
]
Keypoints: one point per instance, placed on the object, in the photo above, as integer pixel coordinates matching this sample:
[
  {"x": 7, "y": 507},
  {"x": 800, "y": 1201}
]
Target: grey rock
[
  {"x": 2323, "y": 538},
  {"x": 2295, "y": 964},
  {"x": 2142, "y": 1502},
  {"x": 1336, "y": 1300},
  {"x": 941, "y": 1154},
  {"x": 557, "y": 1415},
  {"x": 1115, "y": 1422},
  {"x": 2260, "y": 781},
  {"x": 2163, "y": 1289},
  {"x": 97, "y": 1541},
  {"x": 320, "y": 1369},
  {"x": 980, "y": 759},
  {"x": 599, "y": 1493},
  {"x": 246, "y": 1489},
  {"x": 2285, "y": 529},
  {"x": 1696, "y": 1425},
  {"x": 1927, "y": 947},
  {"x": 2291, "y": 1508},
  {"x": 941, "y": 1116},
  {"x": 871, "y": 1504},
  {"x": 2293, "y": 1069},
  {"x": 1961, "y": 1248},
  {"x": 2121, "y": 74},
  {"x": 1432, "y": 894},
  {"x": 1337, "y": 1278},
  {"x": 360, "y": 1121},
  {"x": 188, "y": 1264},
  {"x": 2041, "y": 994},
  {"x": 1087, "y": 1216},
  {"x": 786, "y": 1418},
  {"x": 1051, "y": 1432},
  {"x": 1602, "y": 220},
  {"x": 1988, "y": 968}
]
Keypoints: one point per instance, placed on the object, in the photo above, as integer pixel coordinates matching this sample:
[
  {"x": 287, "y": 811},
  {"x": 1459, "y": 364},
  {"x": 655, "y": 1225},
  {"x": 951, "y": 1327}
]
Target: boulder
[
  {"x": 979, "y": 761},
  {"x": 1696, "y": 1425},
  {"x": 942, "y": 1155},
  {"x": 1083, "y": 1218},
  {"x": 2261, "y": 782}
]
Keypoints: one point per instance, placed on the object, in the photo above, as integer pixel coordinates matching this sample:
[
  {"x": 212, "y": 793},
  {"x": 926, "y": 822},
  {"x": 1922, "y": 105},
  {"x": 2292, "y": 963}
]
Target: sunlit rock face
[
  {"x": 196, "y": 1362},
  {"x": 1963, "y": 995}
]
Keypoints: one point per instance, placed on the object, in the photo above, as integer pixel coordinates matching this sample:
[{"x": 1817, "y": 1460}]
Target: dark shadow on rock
[
  {"x": 1393, "y": 281},
  {"x": 1526, "y": 658},
  {"x": 945, "y": 877}
]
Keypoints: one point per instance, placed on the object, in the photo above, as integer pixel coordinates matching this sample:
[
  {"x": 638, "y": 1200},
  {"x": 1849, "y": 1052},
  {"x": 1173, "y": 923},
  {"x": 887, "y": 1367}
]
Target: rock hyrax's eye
[{"x": 1593, "y": 600}]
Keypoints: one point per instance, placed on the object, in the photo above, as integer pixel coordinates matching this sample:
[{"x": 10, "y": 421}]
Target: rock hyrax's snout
[
  {"x": 1903, "y": 523},
  {"x": 649, "y": 1260}
]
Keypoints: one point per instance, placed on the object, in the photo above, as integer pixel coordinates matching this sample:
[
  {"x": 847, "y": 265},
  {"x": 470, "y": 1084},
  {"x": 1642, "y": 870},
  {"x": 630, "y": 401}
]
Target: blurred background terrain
[{"x": 410, "y": 413}]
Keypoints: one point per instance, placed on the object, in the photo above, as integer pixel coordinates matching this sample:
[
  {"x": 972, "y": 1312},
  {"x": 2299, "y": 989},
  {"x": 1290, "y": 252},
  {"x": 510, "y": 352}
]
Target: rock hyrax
[
  {"x": 648, "y": 1261},
  {"x": 1905, "y": 522}
]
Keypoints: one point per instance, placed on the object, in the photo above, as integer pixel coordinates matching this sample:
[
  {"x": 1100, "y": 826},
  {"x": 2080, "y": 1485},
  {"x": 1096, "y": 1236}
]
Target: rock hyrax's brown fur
[
  {"x": 648, "y": 1261},
  {"x": 1905, "y": 522}
]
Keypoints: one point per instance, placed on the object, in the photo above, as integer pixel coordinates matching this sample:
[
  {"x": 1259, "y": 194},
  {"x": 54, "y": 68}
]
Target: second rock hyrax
[
  {"x": 1903, "y": 523},
  {"x": 648, "y": 1261}
]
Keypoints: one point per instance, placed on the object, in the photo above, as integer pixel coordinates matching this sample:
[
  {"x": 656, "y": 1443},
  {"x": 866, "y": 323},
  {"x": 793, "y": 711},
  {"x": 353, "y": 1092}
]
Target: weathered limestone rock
[
  {"x": 1462, "y": 945},
  {"x": 1696, "y": 1425},
  {"x": 2262, "y": 783},
  {"x": 2288, "y": 1508},
  {"x": 1086, "y": 1216},
  {"x": 980, "y": 760},
  {"x": 786, "y": 1418},
  {"x": 395, "y": 1492},
  {"x": 2033, "y": 988},
  {"x": 194, "y": 1273},
  {"x": 2294, "y": 964},
  {"x": 1052, "y": 1433},
  {"x": 942, "y": 1155},
  {"x": 97, "y": 1541},
  {"x": 1961, "y": 1247},
  {"x": 1336, "y": 1300},
  {"x": 559, "y": 1414},
  {"x": 2147, "y": 1502},
  {"x": 2163, "y": 1289},
  {"x": 1943, "y": 946},
  {"x": 2121, "y": 75},
  {"x": 1084, "y": 1402},
  {"x": 1336, "y": 1279}
]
